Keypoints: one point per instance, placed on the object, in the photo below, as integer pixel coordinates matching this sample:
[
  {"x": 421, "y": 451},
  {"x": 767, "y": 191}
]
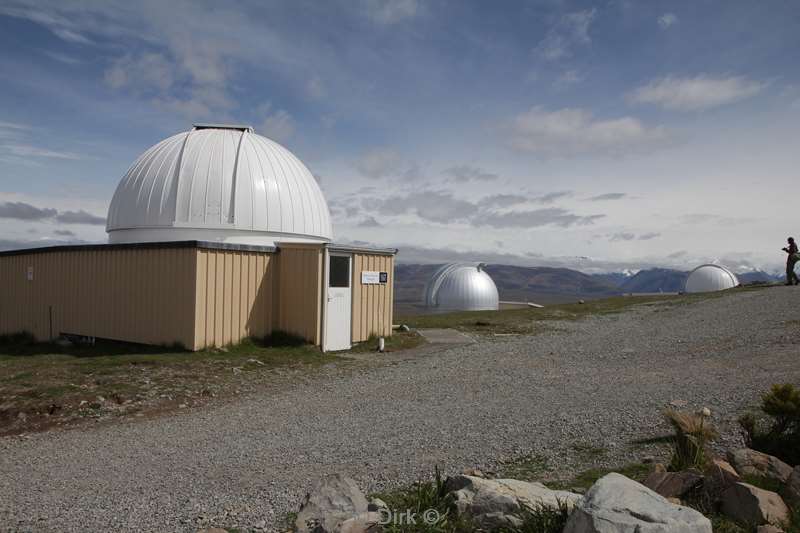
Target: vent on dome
[{"x": 237, "y": 127}]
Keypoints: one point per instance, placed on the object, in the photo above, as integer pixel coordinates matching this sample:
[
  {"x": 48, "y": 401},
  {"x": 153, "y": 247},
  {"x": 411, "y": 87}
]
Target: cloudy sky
[{"x": 604, "y": 135}]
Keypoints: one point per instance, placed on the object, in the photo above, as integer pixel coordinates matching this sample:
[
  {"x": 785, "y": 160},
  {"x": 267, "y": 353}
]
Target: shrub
[
  {"x": 693, "y": 432},
  {"x": 781, "y": 438}
]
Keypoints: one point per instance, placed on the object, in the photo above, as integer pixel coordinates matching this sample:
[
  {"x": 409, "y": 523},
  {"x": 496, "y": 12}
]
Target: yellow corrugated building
[{"x": 215, "y": 235}]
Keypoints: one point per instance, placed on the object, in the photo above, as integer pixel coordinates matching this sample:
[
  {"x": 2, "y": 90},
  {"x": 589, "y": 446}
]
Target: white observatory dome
[
  {"x": 218, "y": 183},
  {"x": 462, "y": 286},
  {"x": 707, "y": 278}
]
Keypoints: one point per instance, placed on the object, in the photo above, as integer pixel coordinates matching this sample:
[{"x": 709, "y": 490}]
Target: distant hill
[
  {"x": 758, "y": 276},
  {"x": 553, "y": 285},
  {"x": 655, "y": 280},
  {"x": 514, "y": 283},
  {"x": 615, "y": 279}
]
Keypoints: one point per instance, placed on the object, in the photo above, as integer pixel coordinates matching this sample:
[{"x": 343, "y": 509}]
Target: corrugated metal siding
[
  {"x": 136, "y": 295},
  {"x": 372, "y": 304},
  {"x": 234, "y": 296},
  {"x": 300, "y": 285}
]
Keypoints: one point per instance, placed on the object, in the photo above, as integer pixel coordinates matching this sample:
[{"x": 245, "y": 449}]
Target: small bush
[
  {"x": 782, "y": 436},
  {"x": 693, "y": 432}
]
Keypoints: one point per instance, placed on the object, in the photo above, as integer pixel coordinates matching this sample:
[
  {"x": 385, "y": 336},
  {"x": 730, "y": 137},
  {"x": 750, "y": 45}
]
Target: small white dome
[
  {"x": 462, "y": 286},
  {"x": 218, "y": 183},
  {"x": 707, "y": 278}
]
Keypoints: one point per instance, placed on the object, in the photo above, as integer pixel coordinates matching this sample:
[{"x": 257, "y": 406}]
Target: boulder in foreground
[
  {"x": 494, "y": 503},
  {"x": 333, "y": 500},
  {"x": 752, "y": 505},
  {"x": 616, "y": 504},
  {"x": 752, "y": 463}
]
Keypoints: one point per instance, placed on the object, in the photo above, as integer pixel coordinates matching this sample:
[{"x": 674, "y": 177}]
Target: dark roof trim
[
  {"x": 205, "y": 245},
  {"x": 361, "y": 249}
]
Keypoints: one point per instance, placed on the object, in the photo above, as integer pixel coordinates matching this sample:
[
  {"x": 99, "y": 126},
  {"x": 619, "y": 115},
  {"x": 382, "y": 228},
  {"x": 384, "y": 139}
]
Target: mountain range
[{"x": 549, "y": 285}]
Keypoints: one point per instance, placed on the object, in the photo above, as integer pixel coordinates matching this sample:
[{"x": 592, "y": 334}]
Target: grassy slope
[{"x": 530, "y": 321}]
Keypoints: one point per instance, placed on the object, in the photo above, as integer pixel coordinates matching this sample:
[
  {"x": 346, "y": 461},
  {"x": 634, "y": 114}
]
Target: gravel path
[{"x": 601, "y": 381}]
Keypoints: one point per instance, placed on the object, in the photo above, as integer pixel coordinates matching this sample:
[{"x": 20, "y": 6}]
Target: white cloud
[
  {"x": 667, "y": 19},
  {"x": 570, "y": 31},
  {"x": 571, "y": 132},
  {"x": 568, "y": 77},
  {"x": 699, "y": 92},
  {"x": 380, "y": 163},
  {"x": 390, "y": 11},
  {"x": 315, "y": 89},
  {"x": 146, "y": 72},
  {"x": 278, "y": 125}
]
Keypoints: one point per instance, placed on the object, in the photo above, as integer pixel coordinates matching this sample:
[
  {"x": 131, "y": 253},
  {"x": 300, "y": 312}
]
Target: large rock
[
  {"x": 616, "y": 504},
  {"x": 333, "y": 500},
  {"x": 494, "y": 503},
  {"x": 363, "y": 523},
  {"x": 792, "y": 488},
  {"x": 768, "y": 528},
  {"x": 752, "y": 463},
  {"x": 673, "y": 484},
  {"x": 720, "y": 475},
  {"x": 751, "y": 505}
]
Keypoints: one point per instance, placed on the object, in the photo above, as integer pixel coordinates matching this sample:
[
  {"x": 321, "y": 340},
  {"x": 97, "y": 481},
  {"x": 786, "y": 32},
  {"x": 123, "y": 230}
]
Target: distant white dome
[
  {"x": 707, "y": 278},
  {"x": 462, "y": 286},
  {"x": 218, "y": 183}
]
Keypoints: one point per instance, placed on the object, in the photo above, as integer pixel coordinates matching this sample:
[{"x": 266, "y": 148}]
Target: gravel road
[{"x": 601, "y": 381}]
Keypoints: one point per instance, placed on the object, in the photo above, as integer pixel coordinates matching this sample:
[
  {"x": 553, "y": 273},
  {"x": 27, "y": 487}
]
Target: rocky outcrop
[
  {"x": 673, "y": 484},
  {"x": 333, "y": 500},
  {"x": 720, "y": 476},
  {"x": 752, "y": 505},
  {"x": 749, "y": 462},
  {"x": 494, "y": 503},
  {"x": 616, "y": 504},
  {"x": 369, "y": 522}
]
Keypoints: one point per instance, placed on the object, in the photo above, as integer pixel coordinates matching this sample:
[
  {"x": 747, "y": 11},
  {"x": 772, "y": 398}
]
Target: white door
[{"x": 338, "y": 313}]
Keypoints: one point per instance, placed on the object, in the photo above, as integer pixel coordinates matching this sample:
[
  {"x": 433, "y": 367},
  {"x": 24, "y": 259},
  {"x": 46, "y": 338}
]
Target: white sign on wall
[
  {"x": 30, "y": 273},
  {"x": 369, "y": 277}
]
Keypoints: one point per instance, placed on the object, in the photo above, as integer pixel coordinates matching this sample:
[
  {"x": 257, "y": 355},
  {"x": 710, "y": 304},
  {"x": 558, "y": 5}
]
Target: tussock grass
[{"x": 693, "y": 432}]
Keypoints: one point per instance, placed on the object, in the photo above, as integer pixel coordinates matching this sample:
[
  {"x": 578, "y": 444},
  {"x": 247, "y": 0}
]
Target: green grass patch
[
  {"x": 400, "y": 340},
  {"x": 531, "y": 321},
  {"x": 587, "y": 478},
  {"x": 529, "y": 468},
  {"x": 588, "y": 451}
]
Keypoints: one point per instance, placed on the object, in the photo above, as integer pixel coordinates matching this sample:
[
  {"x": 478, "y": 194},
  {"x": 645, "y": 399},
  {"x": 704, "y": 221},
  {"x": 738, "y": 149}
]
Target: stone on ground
[
  {"x": 720, "y": 475},
  {"x": 616, "y": 504},
  {"x": 494, "y": 503},
  {"x": 363, "y": 523},
  {"x": 752, "y": 505},
  {"x": 333, "y": 500},
  {"x": 752, "y": 463},
  {"x": 673, "y": 484},
  {"x": 768, "y": 528}
]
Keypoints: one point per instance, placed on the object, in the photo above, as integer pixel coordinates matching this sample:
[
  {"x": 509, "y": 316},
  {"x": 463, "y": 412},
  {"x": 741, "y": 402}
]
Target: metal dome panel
[
  {"x": 462, "y": 286},
  {"x": 708, "y": 278},
  {"x": 218, "y": 183}
]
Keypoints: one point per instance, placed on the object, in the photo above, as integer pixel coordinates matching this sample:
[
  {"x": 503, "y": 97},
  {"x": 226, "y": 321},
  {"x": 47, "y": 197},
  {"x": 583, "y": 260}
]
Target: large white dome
[
  {"x": 218, "y": 183},
  {"x": 707, "y": 278},
  {"x": 462, "y": 286}
]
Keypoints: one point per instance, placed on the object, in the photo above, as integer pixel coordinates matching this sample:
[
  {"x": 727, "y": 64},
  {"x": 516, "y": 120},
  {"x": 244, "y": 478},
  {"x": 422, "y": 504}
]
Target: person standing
[{"x": 791, "y": 258}]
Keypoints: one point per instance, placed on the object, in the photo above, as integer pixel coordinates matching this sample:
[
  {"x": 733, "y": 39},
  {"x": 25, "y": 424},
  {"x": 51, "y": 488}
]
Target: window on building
[{"x": 339, "y": 271}]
